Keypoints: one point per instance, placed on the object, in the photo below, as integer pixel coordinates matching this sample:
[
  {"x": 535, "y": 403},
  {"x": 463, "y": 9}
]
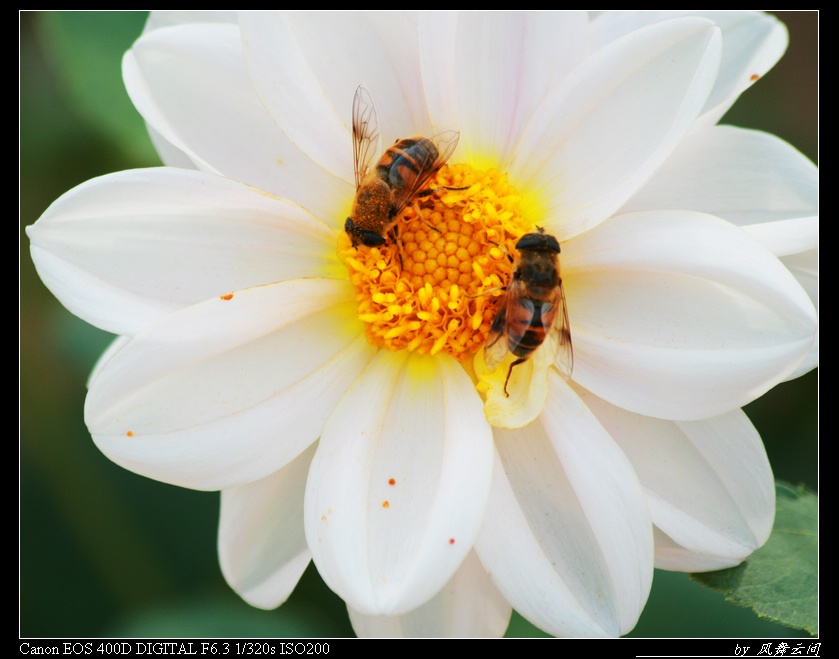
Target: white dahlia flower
[{"x": 337, "y": 396}]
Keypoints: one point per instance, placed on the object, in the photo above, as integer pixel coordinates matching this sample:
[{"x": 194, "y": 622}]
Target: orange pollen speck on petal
[
  {"x": 436, "y": 284},
  {"x": 392, "y": 481},
  {"x": 451, "y": 541},
  {"x": 386, "y": 504},
  {"x": 129, "y": 434},
  {"x": 229, "y": 296},
  {"x": 754, "y": 76}
]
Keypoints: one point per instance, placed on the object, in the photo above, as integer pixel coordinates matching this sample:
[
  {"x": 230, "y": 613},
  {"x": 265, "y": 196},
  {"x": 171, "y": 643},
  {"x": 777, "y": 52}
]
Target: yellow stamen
[{"x": 434, "y": 287}]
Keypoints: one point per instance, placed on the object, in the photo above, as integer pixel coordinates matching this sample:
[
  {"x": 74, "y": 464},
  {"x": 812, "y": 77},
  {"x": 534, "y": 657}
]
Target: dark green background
[{"x": 104, "y": 552}]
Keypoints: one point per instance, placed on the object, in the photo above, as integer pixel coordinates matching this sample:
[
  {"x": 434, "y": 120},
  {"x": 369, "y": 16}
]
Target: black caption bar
[
  {"x": 258, "y": 648},
  {"x": 216, "y": 648}
]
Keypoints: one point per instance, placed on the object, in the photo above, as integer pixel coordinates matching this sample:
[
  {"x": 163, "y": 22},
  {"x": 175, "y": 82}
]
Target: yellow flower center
[{"x": 434, "y": 286}]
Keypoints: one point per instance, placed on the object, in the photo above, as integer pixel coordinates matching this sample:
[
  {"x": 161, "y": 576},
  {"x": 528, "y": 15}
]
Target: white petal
[
  {"x": 595, "y": 141},
  {"x": 167, "y": 18},
  {"x": 752, "y": 43},
  {"x": 745, "y": 176},
  {"x": 307, "y": 66},
  {"x": 786, "y": 237},
  {"x": 709, "y": 484},
  {"x": 125, "y": 249},
  {"x": 399, "y": 484},
  {"x": 261, "y": 545},
  {"x": 754, "y": 180},
  {"x": 805, "y": 268},
  {"x": 500, "y": 66},
  {"x": 438, "y": 48},
  {"x": 568, "y": 537},
  {"x": 170, "y": 155},
  {"x": 191, "y": 85},
  {"x": 469, "y": 606},
  {"x": 681, "y": 315},
  {"x": 228, "y": 391},
  {"x": 116, "y": 345},
  {"x": 606, "y": 26}
]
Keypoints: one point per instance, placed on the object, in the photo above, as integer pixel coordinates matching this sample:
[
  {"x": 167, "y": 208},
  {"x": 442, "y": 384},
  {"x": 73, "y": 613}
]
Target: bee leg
[
  {"x": 431, "y": 191},
  {"x": 398, "y": 241},
  {"x": 510, "y": 372},
  {"x": 487, "y": 291},
  {"x": 501, "y": 246},
  {"x": 416, "y": 208},
  {"x": 428, "y": 193}
]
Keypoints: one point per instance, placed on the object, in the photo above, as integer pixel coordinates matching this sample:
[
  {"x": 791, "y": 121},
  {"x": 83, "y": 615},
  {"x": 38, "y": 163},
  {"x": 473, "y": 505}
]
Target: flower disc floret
[{"x": 434, "y": 287}]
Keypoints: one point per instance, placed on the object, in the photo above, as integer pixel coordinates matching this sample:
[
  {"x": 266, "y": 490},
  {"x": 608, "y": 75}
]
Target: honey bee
[
  {"x": 384, "y": 190},
  {"x": 533, "y": 309}
]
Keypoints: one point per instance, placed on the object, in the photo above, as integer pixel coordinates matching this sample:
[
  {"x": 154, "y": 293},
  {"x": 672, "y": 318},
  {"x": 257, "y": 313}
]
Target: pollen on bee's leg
[{"x": 433, "y": 288}]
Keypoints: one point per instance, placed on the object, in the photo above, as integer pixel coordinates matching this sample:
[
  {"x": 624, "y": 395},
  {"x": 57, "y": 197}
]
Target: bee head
[
  {"x": 360, "y": 236},
  {"x": 538, "y": 241}
]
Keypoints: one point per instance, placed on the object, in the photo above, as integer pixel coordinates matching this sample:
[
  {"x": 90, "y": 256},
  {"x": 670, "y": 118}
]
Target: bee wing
[
  {"x": 497, "y": 347},
  {"x": 560, "y": 336},
  {"x": 366, "y": 136},
  {"x": 445, "y": 144}
]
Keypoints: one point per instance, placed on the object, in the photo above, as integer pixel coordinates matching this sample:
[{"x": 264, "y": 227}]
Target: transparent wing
[
  {"x": 560, "y": 336},
  {"x": 497, "y": 346},
  {"x": 446, "y": 143},
  {"x": 427, "y": 157},
  {"x": 366, "y": 137}
]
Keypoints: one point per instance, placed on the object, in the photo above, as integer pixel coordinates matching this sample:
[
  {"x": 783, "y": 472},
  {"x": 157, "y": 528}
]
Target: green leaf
[
  {"x": 780, "y": 580},
  {"x": 87, "y": 49}
]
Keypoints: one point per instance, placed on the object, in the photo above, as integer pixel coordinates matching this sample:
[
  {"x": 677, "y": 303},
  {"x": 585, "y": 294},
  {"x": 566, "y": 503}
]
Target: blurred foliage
[
  {"x": 104, "y": 552},
  {"x": 86, "y": 49}
]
